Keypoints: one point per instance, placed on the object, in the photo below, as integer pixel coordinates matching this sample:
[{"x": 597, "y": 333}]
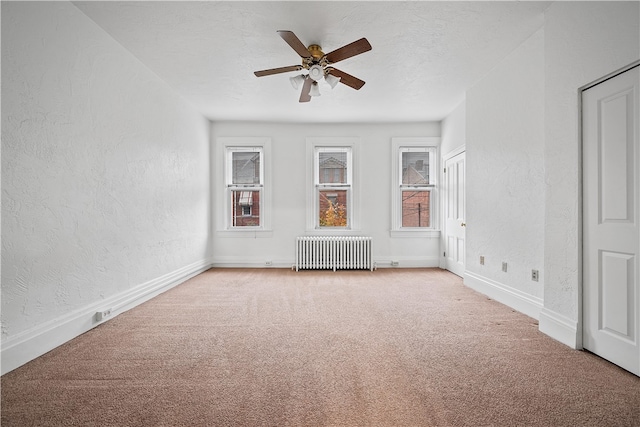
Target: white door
[
  {"x": 454, "y": 213},
  {"x": 611, "y": 236}
]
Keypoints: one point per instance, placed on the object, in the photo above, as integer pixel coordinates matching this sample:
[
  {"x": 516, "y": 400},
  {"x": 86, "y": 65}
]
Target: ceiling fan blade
[
  {"x": 306, "y": 88},
  {"x": 293, "y": 41},
  {"x": 277, "y": 70},
  {"x": 347, "y": 51},
  {"x": 347, "y": 79}
]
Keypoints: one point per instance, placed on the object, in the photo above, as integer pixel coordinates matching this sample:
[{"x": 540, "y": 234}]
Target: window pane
[
  {"x": 415, "y": 208},
  {"x": 246, "y": 167},
  {"x": 415, "y": 168},
  {"x": 332, "y": 168},
  {"x": 332, "y": 208},
  {"x": 245, "y": 208}
]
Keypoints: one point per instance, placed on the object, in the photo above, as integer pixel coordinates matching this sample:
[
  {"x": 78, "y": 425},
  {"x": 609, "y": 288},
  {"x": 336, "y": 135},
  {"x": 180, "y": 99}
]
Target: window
[
  {"x": 332, "y": 171},
  {"x": 241, "y": 200},
  {"x": 332, "y": 182},
  {"x": 245, "y": 183},
  {"x": 414, "y": 190}
]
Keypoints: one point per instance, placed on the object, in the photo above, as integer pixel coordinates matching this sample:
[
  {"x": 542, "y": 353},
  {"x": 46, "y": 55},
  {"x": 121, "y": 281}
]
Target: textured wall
[
  {"x": 505, "y": 169},
  {"x": 454, "y": 129},
  {"x": 289, "y": 168},
  {"x": 583, "y": 42},
  {"x": 105, "y": 171}
]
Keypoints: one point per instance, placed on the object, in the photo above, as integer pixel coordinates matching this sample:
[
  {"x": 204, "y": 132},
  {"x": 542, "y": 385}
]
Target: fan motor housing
[{"x": 315, "y": 51}]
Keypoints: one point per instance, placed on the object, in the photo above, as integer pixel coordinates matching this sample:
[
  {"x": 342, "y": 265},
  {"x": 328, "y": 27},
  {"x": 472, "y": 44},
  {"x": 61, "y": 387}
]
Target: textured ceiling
[{"x": 425, "y": 54}]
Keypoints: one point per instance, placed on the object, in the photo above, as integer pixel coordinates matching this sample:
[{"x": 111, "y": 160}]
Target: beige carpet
[{"x": 279, "y": 348}]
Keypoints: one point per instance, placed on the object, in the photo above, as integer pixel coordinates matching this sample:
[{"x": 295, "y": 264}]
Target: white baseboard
[
  {"x": 560, "y": 328},
  {"x": 244, "y": 262},
  {"x": 25, "y": 346},
  {"x": 518, "y": 300},
  {"x": 408, "y": 262}
]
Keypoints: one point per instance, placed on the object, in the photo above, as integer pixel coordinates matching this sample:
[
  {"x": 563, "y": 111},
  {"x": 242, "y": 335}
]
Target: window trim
[
  {"x": 226, "y": 146},
  {"x": 313, "y": 186},
  {"x": 409, "y": 144}
]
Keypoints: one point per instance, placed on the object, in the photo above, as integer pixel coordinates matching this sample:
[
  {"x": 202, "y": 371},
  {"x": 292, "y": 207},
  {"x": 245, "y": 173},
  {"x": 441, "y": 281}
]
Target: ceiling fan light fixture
[
  {"x": 315, "y": 90},
  {"x": 296, "y": 81},
  {"x": 332, "y": 80},
  {"x": 317, "y": 63}
]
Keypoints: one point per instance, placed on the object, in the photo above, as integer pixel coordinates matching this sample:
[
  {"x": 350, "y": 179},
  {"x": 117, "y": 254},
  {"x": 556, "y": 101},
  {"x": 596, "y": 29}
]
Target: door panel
[
  {"x": 611, "y": 236},
  {"x": 617, "y": 294},
  {"x": 454, "y": 213}
]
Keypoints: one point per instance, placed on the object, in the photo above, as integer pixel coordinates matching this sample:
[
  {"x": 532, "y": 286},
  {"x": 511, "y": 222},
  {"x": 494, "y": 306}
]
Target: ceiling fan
[{"x": 318, "y": 63}]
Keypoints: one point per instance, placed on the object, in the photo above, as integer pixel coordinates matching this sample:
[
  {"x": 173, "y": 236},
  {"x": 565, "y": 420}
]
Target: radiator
[{"x": 333, "y": 253}]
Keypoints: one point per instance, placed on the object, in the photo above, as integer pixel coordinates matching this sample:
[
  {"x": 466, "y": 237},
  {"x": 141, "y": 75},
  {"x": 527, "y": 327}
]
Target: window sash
[
  {"x": 431, "y": 175},
  {"x": 347, "y": 181},
  {"x": 237, "y": 219},
  {"x": 337, "y": 216},
  {"x": 229, "y": 179},
  {"x": 415, "y": 209}
]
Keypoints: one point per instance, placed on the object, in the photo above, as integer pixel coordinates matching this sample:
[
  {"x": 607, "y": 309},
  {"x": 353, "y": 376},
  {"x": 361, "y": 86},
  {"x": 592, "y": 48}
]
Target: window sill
[
  {"x": 432, "y": 234},
  {"x": 247, "y": 234}
]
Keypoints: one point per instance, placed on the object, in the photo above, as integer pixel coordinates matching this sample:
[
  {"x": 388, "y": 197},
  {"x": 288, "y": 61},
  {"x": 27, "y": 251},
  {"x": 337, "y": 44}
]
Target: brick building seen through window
[
  {"x": 246, "y": 208},
  {"x": 415, "y": 208}
]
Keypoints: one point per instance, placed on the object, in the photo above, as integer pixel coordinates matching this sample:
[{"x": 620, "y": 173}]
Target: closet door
[{"x": 611, "y": 237}]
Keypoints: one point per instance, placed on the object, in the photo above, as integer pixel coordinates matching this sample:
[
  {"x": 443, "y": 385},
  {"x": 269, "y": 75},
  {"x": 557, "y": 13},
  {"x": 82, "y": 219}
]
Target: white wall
[
  {"x": 505, "y": 178},
  {"x": 289, "y": 193},
  {"x": 105, "y": 179},
  {"x": 454, "y": 129},
  {"x": 583, "y": 42}
]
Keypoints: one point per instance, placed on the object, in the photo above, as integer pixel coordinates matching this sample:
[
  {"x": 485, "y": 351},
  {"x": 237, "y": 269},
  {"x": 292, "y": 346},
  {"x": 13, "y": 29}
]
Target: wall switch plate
[
  {"x": 535, "y": 275},
  {"x": 504, "y": 267}
]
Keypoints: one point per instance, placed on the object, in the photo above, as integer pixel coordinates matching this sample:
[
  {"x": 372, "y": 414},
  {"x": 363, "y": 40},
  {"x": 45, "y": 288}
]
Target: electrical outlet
[
  {"x": 504, "y": 267},
  {"x": 535, "y": 275},
  {"x": 394, "y": 263},
  {"x": 481, "y": 259},
  {"x": 103, "y": 314},
  {"x": 268, "y": 263}
]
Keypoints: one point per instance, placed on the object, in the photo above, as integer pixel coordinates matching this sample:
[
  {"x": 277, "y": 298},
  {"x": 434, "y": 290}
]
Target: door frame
[
  {"x": 445, "y": 157},
  {"x": 580, "y": 321}
]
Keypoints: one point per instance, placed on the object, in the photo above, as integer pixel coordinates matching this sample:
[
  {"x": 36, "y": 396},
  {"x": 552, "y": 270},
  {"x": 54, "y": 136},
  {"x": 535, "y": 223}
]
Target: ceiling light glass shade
[
  {"x": 316, "y": 73},
  {"x": 297, "y": 81},
  {"x": 315, "y": 90},
  {"x": 332, "y": 80}
]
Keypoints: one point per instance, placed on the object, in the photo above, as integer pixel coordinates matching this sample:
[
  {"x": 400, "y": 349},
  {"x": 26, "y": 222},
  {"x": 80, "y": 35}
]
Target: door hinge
[
  {"x": 445, "y": 170},
  {"x": 444, "y": 254}
]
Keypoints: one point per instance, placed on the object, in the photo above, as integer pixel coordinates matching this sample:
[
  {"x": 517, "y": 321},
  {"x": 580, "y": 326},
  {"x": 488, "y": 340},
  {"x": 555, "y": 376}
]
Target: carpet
[{"x": 272, "y": 347}]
